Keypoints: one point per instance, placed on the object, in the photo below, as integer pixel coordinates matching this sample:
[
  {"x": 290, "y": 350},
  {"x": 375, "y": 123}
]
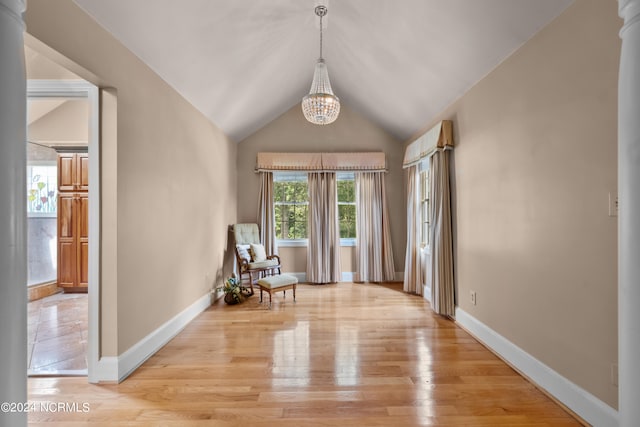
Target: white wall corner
[
  {"x": 580, "y": 401},
  {"x": 135, "y": 356},
  {"x": 105, "y": 371}
]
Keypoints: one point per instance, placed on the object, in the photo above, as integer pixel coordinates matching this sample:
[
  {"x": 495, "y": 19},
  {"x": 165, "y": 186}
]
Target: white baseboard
[
  {"x": 116, "y": 369},
  {"x": 426, "y": 293},
  {"x": 302, "y": 277},
  {"x": 106, "y": 371},
  {"x": 347, "y": 276},
  {"x": 580, "y": 401}
]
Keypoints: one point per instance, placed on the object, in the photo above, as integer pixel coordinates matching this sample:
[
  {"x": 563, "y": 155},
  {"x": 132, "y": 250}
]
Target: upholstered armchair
[{"x": 252, "y": 259}]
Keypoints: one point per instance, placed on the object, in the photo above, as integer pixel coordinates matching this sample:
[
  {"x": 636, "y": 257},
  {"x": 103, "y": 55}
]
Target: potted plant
[{"x": 234, "y": 291}]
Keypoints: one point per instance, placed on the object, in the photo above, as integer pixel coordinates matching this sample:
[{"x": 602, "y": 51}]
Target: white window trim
[
  {"x": 303, "y": 243},
  {"x": 292, "y": 243},
  {"x": 291, "y": 176},
  {"x": 348, "y": 242}
]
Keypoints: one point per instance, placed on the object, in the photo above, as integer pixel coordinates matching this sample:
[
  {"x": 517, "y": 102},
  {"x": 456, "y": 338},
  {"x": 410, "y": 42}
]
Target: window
[
  {"x": 291, "y": 205},
  {"x": 42, "y": 183},
  {"x": 424, "y": 203},
  {"x": 347, "y": 205}
]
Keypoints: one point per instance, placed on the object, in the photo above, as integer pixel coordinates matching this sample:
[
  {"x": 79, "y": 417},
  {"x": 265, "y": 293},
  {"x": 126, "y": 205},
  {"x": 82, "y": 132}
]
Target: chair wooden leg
[{"x": 250, "y": 283}]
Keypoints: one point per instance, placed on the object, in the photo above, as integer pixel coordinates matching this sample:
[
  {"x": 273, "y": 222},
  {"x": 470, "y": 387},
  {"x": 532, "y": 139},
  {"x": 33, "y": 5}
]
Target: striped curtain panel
[
  {"x": 266, "y": 213},
  {"x": 323, "y": 254},
  {"x": 374, "y": 256},
  {"x": 412, "y": 264},
  {"x": 442, "y": 285}
]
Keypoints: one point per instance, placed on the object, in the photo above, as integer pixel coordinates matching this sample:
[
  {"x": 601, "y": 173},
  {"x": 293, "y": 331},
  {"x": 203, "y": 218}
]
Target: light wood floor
[
  {"x": 57, "y": 335},
  {"x": 343, "y": 355}
]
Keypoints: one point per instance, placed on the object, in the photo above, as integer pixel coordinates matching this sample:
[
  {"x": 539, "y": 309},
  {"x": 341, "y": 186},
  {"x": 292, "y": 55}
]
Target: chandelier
[{"x": 321, "y": 106}]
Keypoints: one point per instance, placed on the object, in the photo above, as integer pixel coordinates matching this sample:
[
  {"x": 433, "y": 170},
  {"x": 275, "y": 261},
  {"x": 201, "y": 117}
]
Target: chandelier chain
[{"x": 321, "y": 36}]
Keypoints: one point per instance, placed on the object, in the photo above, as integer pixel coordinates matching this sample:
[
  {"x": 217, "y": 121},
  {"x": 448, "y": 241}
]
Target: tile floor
[{"x": 57, "y": 331}]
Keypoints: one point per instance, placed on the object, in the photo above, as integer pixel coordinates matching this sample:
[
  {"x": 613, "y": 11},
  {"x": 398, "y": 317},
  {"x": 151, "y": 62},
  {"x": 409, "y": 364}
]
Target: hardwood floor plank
[{"x": 345, "y": 354}]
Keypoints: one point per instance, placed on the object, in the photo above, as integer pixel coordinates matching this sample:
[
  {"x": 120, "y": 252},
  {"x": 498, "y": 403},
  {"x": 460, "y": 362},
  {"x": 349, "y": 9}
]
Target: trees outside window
[
  {"x": 347, "y": 205},
  {"x": 291, "y": 205}
]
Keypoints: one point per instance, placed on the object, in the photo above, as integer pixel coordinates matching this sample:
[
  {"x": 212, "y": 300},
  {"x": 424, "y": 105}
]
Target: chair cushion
[
  {"x": 243, "y": 252},
  {"x": 262, "y": 264},
  {"x": 277, "y": 281},
  {"x": 257, "y": 252},
  {"x": 245, "y": 234}
]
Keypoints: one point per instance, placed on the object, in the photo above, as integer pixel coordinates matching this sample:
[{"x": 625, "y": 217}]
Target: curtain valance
[
  {"x": 439, "y": 136},
  {"x": 322, "y": 162}
]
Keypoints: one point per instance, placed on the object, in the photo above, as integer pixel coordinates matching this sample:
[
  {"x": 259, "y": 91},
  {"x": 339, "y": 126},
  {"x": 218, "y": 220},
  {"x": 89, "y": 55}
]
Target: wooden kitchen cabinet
[
  {"x": 73, "y": 172},
  {"x": 73, "y": 222}
]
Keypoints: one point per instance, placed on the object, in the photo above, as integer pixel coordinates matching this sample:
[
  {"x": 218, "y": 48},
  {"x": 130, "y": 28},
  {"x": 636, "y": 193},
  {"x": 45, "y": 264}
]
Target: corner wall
[
  {"x": 535, "y": 162},
  {"x": 175, "y": 177}
]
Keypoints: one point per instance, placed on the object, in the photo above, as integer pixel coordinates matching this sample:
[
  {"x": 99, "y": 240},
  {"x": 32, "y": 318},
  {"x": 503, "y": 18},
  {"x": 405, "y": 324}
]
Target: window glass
[
  {"x": 424, "y": 207},
  {"x": 42, "y": 184},
  {"x": 291, "y": 205},
  {"x": 347, "y": 205}
]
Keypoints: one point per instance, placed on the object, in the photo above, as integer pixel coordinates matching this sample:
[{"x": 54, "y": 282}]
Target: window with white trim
[
  {"x": 347, "y": 205},
  {"x": 425, "y": 219},
  {"x": 291, "y": 205}
]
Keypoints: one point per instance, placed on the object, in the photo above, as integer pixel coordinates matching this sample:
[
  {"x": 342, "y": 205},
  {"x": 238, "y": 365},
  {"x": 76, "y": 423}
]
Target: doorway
[
  {"x": 62, "y": 129},
  {"x": 57, "y": 134}
]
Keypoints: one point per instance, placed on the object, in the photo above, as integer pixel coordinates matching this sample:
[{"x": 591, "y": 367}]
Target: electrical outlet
[
  {"x": 473, "y": 297},
  {"x": 613, "y": 204},
  {"x": 614, "y": 374}
]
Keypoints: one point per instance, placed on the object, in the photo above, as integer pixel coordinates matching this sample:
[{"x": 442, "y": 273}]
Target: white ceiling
[{"x": 243, "y": 63}]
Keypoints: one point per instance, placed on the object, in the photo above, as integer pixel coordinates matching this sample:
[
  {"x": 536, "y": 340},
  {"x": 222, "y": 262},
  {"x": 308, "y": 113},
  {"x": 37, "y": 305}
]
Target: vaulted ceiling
[{"x": 243, "y": 63}]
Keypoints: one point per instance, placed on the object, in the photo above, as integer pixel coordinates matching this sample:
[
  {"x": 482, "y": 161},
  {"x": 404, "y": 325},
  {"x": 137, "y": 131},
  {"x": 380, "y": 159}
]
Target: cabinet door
[
  {"x": 82, "y": 165},
  {"x": 82, "y": 239},
  {"x": 73, "y": 172},
  {"x": 67, "y": 246},
  {"x": 66, "y": 172}
]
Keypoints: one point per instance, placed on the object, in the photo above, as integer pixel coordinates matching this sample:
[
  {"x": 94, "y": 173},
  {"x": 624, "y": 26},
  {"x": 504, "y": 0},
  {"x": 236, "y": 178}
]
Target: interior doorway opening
[
  {"x": 63, "y": 137},
  {"x": 57, "y": 234}
]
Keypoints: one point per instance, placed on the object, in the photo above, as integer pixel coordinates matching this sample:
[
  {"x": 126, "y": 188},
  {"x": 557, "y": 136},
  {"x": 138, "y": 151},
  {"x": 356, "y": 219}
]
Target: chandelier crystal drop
[{"x": 321, "y": 106}]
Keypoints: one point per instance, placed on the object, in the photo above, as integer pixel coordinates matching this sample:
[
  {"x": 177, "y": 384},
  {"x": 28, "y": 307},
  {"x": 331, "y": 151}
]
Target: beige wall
[
  {"x": 349, "y": 133},
  {"x": 67, "y": 123},
  {"x": 42, "y": 68},
  {"x": 294, "y": 260},
  {"x": 534, "y": 164},
  {"x": 176, "y": 183}
]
